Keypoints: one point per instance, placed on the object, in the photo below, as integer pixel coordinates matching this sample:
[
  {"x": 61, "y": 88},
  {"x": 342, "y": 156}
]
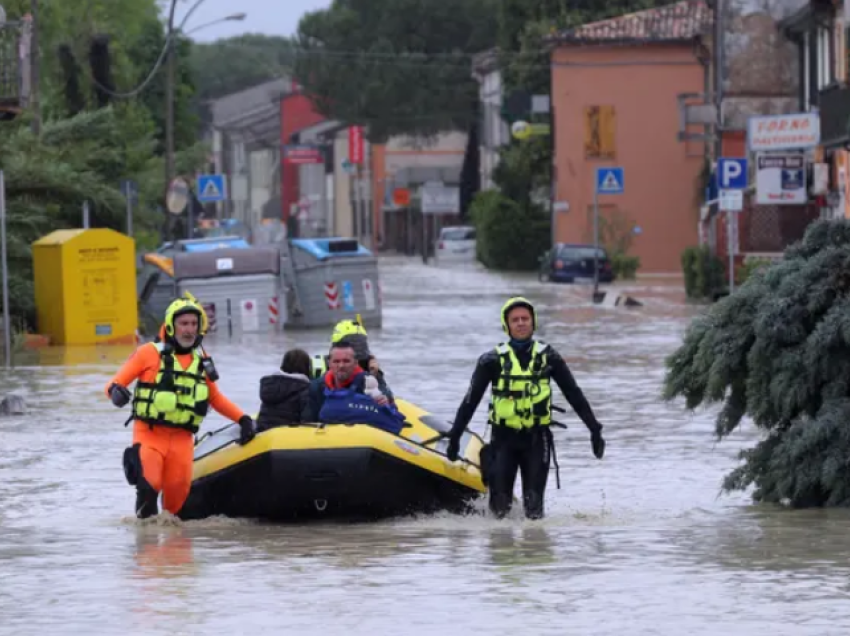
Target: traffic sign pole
[
  {"x": 730, "y": 222},
  {"x": 732, "y": 174},
  {"x": 596, "y": 240},
  {"x": 608, "y": 180}
]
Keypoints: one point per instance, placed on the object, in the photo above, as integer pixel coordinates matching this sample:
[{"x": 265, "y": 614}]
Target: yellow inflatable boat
[{"x": 340, "y": 470}]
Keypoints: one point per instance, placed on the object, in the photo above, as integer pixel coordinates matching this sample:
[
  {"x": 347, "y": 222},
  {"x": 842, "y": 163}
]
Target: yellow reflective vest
[
  {"x": 178, "y": 398},
  {"x": 521, "y": 398}
]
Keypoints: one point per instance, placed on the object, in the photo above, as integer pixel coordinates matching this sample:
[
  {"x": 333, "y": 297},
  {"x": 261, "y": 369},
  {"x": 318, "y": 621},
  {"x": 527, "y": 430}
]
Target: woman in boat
[{"x": 285, "y": 395}]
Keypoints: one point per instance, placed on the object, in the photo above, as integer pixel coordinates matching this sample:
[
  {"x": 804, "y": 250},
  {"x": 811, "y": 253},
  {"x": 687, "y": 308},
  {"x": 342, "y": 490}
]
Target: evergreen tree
[{"x": 778, "y": 352}]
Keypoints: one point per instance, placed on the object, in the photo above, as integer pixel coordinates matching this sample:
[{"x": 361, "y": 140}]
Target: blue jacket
[{"x": 352, "y": 406}]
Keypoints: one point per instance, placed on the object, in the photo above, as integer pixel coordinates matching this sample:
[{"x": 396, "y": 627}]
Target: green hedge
[
  {"x": 510, "y": 236},
  {"x": 703, "y": 273}
]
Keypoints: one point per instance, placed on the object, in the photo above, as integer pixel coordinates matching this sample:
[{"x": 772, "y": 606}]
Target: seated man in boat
[
  {"x": 355, "y": 334},
  {"x": 346, "y": 394},
  {"x": 285, "y": 396}
]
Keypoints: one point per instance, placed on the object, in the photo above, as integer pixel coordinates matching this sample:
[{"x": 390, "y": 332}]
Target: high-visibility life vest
[
  {"x": 522, "y": 398},
  {"x": 177, "y": 398}
]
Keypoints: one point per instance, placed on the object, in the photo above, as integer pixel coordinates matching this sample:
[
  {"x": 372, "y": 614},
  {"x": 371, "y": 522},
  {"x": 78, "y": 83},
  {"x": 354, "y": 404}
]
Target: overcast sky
[{"x": 272, "y": 17}]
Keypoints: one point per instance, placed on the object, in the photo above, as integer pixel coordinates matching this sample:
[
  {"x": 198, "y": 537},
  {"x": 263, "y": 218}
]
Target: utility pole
[
  {"x": 169, "y": 111},
  {"x": 34, "y": 74},
  {"x": 719, "y": 59}
]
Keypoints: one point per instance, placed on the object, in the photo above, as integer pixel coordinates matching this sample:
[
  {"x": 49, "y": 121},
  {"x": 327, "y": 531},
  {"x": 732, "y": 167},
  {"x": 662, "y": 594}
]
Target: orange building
[{"x": 616, "y": 88}]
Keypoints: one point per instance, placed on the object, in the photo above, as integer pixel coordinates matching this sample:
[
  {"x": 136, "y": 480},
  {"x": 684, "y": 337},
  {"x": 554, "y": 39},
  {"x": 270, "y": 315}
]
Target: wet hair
[{"x": 296, "y": 361}]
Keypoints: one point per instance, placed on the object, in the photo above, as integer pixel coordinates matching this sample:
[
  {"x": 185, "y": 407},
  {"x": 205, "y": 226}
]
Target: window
[
  {"x": 457, "y": 234},
  {"x": 600, "y": 132},
  {"x": 578, "y": 253}
]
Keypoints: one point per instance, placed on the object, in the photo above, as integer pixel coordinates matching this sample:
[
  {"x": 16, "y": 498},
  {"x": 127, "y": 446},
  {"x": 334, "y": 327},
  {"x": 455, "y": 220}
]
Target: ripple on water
[{"x": 640, "y": 543}]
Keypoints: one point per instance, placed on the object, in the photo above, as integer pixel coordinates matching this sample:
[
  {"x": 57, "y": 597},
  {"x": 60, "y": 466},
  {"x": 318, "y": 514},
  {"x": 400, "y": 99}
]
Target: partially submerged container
[
  {"x": 85, "y": 286},
  {"x": 334, "y": 279},
  {"x": 237, "y": 284}
]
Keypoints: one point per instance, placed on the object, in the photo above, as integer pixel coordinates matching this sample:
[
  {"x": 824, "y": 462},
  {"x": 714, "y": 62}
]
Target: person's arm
[
  {"x": 486, "y": 371},
  {"x": 222, "y": 405},
  {"x": 563, "y": 377},
  {"x": 141, "y": 359}
]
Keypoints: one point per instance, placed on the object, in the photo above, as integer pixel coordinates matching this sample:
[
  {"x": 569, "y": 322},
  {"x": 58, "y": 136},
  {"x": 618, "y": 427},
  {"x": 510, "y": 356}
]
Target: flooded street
[{"x": 637, "y": 544}]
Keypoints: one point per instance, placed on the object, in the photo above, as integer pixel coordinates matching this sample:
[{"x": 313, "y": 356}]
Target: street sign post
[
  {"x": 609, "y": 180},
  {"x": 130, "y": 190},
  {"x": 731, "y": 182}
]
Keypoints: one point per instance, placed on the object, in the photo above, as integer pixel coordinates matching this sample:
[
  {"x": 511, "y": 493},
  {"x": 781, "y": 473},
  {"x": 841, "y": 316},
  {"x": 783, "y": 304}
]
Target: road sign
[
  {"x": 211, "y": 187},
  {"x": 733, "y": 173},
  {"x": 609, "y": 180},
  {"x": 177, "y": 196},
  {"x": 731, "y": 200}
]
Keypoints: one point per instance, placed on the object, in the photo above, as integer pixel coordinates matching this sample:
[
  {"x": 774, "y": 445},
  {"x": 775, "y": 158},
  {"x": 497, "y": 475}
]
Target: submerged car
[
  {"x": 574, "y": 263},
  {"x": 456, "y": 244}
]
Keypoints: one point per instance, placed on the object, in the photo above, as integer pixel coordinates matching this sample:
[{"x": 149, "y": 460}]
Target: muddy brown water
[{"x": 640, "y": 543}]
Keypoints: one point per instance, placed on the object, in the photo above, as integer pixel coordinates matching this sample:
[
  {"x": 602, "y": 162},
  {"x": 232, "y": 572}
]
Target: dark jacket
[
  {"x": 487, "y": 372},
  {"x": 285, "y": 400}
]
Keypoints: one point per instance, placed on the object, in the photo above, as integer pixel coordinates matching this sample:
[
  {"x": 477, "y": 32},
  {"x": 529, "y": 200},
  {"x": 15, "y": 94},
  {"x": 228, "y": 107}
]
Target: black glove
[
  {"x": 246, "y": 430},
  {"x": 119, "y": 395},
  {"x": 453, "y": 449},
  {"x": 597, "y": 442}
]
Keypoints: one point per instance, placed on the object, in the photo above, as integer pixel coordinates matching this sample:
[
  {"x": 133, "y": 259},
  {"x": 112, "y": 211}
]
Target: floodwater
[{"x": 640, "y": 543}]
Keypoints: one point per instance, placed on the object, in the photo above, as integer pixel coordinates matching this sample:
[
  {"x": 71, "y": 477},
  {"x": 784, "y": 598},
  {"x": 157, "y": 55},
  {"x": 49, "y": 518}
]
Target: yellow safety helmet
[
  {"x": 518, "y": 301},
  {"x": 348, "y": 327},
  {"x": 183, "y": 306}
]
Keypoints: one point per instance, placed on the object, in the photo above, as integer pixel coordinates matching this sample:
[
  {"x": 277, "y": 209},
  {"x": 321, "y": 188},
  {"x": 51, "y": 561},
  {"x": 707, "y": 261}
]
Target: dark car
[{"x": 572, "y": 262}]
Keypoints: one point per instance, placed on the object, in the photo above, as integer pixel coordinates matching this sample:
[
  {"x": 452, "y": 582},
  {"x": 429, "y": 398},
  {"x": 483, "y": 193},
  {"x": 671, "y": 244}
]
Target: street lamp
[
  {"x": 169, "y": 82},
  {"x": 236, "y": 17}
]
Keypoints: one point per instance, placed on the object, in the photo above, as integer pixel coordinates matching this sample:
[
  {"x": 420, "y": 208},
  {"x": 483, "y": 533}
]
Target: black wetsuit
[{"x": 527, "y": 451}]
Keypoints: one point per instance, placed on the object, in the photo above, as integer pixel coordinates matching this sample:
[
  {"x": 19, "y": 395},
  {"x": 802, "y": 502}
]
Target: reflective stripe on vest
[
  {"x": 521, "y": 398},
  {"x": 319, "y": 366},
  {"x": 177, "y": 398}
]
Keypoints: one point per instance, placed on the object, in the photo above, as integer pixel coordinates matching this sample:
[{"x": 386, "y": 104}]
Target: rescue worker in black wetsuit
[{"x": 520, "y": 411}]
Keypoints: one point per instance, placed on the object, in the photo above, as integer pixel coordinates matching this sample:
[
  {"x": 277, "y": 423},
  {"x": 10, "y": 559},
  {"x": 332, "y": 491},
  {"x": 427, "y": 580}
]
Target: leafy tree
[
  {"x": 74, "y": 160},
  {"x": 399, "y": 66},
  {"x": 523, "y": 24},
  {"x": 511, "y": 235},
  {"x": 233, "y": 64},
  {"x": 778, "y": 351},
  {"x": 146, "y": 50},
  {"x": 135, "y": 33}
]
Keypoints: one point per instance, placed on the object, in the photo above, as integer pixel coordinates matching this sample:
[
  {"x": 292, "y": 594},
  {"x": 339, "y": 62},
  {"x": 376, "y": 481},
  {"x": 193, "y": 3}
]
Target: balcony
[
  {"x": 834, "y": 108},
  {"x": 14, "y": 67}
]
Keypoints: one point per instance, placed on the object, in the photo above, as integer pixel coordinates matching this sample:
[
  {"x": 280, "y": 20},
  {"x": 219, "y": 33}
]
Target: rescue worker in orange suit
[
  {"x": 175, "y": 386},
  {"x": 520, "y": 372}
]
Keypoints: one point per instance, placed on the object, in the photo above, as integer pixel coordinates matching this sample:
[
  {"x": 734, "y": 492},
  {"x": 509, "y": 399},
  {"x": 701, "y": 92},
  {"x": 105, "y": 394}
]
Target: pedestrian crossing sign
[
  {"x": 211, "y": 188},
  {"x": 609, "y": 180}
]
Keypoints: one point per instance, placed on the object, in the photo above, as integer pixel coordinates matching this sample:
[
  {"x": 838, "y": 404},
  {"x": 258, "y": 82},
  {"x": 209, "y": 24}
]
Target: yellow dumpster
[{"x": 85, "y": 287}]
